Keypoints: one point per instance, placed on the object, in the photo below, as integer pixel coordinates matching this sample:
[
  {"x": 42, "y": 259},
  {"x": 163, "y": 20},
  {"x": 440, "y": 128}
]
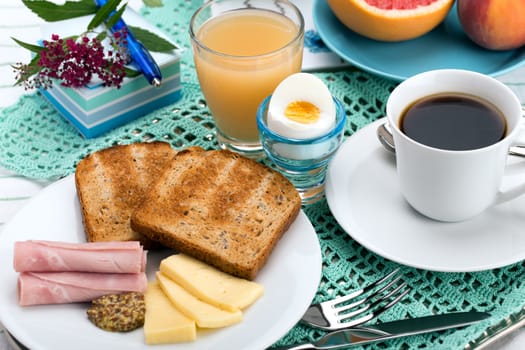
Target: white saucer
[{"x": 363, "y": 195}]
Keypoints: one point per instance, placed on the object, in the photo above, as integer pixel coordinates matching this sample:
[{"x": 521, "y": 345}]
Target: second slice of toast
[{"x": 221, "y": 208}]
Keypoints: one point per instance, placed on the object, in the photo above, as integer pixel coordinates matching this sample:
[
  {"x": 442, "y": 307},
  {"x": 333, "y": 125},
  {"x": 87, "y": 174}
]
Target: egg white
[{"x": 301, "y": 87}]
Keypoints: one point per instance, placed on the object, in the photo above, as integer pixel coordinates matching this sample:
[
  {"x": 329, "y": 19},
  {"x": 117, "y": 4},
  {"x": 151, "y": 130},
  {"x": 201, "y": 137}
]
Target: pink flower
[{"x": 75, "y": 62}]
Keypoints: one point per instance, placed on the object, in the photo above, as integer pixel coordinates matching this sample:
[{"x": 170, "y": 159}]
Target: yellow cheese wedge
[
  {"x": 205, "y": 315},
  {"x": 210, "y": 284},
  {"x": 163, "y": 322}
]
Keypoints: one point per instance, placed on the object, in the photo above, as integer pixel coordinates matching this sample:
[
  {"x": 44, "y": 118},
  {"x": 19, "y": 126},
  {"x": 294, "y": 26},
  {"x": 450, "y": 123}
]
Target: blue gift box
[{"x": 95, "y": 109}]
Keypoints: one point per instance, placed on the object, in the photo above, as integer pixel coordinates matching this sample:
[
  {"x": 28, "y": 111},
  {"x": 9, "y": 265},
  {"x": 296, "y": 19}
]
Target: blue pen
[{"x": 138, "y": 53}]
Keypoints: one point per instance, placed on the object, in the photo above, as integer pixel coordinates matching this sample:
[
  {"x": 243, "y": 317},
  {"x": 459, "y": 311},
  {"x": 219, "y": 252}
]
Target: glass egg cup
[{"x": 302, "y": 161}]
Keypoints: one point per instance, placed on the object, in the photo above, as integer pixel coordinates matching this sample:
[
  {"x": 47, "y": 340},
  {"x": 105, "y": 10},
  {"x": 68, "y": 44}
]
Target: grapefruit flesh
[{"x": 391, "y": 20}]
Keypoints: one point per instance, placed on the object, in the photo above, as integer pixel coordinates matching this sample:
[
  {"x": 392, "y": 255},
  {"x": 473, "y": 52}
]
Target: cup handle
[
  {"x": 518, "y": 150},
  {"x": 505, "y": 196}
]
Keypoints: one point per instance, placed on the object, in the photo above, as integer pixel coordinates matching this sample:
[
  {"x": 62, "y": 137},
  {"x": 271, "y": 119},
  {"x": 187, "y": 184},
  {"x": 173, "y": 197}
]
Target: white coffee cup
[{"x": 453, "y": 185}]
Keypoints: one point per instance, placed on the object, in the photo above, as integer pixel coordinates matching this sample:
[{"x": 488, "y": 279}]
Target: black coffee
[{"x": 453, "y": 121}]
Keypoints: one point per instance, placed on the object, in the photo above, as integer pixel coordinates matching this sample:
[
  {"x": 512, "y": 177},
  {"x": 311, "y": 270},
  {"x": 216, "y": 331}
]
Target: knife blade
[{"x": 389, "y": 330}]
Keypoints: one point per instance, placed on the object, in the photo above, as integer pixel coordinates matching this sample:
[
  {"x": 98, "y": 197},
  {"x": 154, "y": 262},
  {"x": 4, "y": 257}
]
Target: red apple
[{"x": 493, "y": 24}]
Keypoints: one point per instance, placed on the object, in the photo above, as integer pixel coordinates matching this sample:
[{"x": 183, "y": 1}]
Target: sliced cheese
[
  {"x": 210, "y": 284},
  {"x": 204, "y": 314},
  {"x": 163, "y": 322}
]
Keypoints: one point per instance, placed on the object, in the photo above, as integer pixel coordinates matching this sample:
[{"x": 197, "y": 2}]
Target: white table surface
[{"x": 16, "y": 191}]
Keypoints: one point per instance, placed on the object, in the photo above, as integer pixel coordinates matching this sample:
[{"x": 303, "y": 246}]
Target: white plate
[
  {"x": 290, "y": 277},
  {"x": 363, "y": 195}
]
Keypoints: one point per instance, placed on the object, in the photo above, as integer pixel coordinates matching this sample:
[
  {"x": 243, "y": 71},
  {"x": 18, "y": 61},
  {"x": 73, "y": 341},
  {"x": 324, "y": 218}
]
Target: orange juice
[{"x": 244, "y": 55}]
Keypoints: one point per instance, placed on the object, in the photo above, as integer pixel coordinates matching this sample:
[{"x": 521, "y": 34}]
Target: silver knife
[{"x": 388, "y": 330}]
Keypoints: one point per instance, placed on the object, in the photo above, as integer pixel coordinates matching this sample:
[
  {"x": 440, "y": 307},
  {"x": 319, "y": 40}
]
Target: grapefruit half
[{"x": 391, "y": 20}]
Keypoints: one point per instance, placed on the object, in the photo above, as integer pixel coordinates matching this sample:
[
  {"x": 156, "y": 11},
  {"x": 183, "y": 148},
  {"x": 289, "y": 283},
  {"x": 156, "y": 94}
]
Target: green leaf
[
  {"x": 153, "y": 3},
  {"x": 51, "y": 12},
  {"x": 33, "y": 48},
  {"x": 115, "y": 17},
  {"x": 152, "y": 41},
  {"x": 103, "y": 13},
  {"x": 72, "y": 37},
  {"x": 101, "y": 36},
  {"x": 131, "y": 73}
]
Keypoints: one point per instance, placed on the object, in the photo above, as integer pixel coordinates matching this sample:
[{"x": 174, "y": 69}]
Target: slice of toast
[
  {"x": 221, "y": 208},
  {"x": 112, "y": 182}
]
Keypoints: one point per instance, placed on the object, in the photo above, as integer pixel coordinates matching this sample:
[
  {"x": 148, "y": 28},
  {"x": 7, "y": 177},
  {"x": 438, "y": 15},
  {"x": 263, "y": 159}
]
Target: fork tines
[{"x": 364, "y": 304}]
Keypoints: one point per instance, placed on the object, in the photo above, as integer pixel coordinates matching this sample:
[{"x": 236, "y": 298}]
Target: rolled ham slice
[
  {"x": 107, "y": 257},
  {"x": 36, "y": 288}
]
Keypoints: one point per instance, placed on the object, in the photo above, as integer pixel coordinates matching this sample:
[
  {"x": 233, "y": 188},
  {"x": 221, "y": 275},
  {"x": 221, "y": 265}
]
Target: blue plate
[{"x": 446, "y": 46}]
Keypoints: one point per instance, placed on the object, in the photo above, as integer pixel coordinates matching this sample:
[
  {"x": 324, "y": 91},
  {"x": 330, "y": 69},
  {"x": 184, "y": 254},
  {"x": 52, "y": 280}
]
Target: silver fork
[{"x": 359, "y": 306}]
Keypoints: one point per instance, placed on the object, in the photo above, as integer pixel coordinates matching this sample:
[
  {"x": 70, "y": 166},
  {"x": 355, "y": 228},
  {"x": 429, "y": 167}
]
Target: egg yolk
[{"x": 302, "y": 112}]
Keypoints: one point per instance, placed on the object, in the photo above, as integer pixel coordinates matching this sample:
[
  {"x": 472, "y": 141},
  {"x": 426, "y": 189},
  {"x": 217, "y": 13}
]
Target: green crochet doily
[{"x": 36, "y": 142}]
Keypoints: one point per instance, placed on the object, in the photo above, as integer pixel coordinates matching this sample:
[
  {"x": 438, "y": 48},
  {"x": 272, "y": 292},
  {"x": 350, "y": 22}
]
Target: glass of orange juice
[{"x": 242, "y": 50}]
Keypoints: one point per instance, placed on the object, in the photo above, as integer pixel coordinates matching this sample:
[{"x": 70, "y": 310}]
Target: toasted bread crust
[
  {"x": 221, "y": 208},
  {"x": 112, "y": 182}
]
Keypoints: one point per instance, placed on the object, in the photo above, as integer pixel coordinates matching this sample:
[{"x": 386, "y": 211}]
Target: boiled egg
[{"x": 301, "y": 107}]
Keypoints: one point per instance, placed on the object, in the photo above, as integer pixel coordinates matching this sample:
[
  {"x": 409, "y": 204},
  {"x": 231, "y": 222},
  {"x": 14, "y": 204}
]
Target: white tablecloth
[{"x": 16, "y": 191}]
